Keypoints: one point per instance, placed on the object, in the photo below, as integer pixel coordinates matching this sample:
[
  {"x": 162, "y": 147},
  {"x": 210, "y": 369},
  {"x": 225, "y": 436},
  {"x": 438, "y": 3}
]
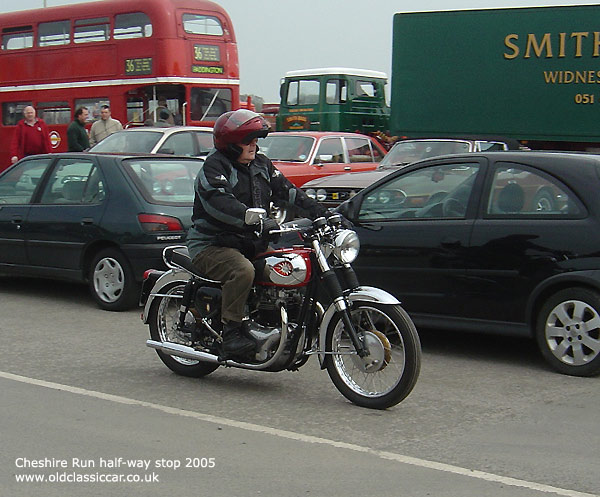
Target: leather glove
[
  {"x": 268, "y": 225},
  {"x": 346, "y": 223}
]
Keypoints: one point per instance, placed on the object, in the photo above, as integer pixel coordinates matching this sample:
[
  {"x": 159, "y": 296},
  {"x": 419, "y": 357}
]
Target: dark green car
[{"x": 101, "y": 219}]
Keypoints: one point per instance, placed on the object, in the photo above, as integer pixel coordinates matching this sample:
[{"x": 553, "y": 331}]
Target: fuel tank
[{"x": 288, "y": 267}]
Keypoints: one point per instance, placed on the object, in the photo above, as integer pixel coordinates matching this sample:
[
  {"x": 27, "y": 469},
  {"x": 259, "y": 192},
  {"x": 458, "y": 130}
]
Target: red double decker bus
[{"x": 134, "y": 55}]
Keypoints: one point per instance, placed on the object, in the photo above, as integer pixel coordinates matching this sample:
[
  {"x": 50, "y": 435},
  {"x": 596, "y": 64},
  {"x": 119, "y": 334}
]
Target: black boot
[{"x": 235, "y": 343}]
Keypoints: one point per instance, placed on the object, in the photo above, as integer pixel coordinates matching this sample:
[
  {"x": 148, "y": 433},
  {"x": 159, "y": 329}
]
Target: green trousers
[{"x": 236, "y": 274}]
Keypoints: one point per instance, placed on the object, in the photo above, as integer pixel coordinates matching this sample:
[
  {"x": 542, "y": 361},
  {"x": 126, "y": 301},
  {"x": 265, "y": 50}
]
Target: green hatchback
[{"x": 100, "y": 219}]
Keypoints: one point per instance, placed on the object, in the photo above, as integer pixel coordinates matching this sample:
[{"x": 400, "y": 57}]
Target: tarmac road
[{"x": 487, "y": 417}]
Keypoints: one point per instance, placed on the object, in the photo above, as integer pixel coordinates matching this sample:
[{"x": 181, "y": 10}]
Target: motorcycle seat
[{"x": 179, "y": 256}]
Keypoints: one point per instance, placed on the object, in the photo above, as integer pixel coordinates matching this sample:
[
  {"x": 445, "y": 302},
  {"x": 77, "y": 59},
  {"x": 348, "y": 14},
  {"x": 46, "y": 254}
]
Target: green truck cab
[
  {"x": 530, "y": 74},
  {"x": 333, "y": 99}
]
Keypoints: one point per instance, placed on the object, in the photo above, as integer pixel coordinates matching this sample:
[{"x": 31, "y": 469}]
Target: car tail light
[{"x": 157, "y": 222}]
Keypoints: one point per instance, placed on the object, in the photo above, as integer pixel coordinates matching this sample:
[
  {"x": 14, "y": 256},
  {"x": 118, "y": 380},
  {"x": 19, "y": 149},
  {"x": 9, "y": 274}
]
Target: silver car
[{"x": 190, "y": 141}]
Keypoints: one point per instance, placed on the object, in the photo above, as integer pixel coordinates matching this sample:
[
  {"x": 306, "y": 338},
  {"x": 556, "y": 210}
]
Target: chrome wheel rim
[
  {"x": 363, "y": 375},
  {"x": 572, "y": 332},
  {"x": 167, "y": 319},
  {"x": 109, "y": 280}
]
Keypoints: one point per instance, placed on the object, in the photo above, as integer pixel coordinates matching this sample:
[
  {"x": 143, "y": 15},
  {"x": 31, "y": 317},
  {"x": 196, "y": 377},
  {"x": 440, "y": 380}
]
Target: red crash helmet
[{"x": 238, "y": 126}]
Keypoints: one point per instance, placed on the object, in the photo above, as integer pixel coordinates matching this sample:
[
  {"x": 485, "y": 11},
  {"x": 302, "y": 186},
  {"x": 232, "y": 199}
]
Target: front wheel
[
  {"x": 163, "y": 318},
  {"x": 389, "y": 373}
]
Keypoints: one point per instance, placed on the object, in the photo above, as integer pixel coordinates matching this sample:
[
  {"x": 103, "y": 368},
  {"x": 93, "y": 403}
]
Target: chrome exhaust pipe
[{"x": 179, "y": 350}]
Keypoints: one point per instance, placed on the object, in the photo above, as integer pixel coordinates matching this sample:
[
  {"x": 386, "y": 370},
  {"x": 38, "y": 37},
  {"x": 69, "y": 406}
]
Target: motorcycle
[{"x": 364, "y": 339}]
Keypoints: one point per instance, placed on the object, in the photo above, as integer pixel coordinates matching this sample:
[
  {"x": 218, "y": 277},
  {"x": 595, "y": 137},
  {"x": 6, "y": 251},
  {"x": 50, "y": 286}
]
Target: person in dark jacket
[
  {"x": 234, "y": 178},
  {"x": 77, "y": 136}
]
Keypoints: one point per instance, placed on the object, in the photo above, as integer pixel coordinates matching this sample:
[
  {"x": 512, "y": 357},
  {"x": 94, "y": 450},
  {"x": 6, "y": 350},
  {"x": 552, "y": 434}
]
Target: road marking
[{"x": 413, "y": 461}]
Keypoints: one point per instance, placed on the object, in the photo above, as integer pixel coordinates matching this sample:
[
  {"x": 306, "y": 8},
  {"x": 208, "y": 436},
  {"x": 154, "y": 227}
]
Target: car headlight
[
  {"x": 311, "y": 193},
  {"x": 321, "y": 195},
  {"x": 347, "y": 246}
]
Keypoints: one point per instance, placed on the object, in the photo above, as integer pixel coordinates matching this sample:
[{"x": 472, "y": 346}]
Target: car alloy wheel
[{"x": 568, "y": 331}]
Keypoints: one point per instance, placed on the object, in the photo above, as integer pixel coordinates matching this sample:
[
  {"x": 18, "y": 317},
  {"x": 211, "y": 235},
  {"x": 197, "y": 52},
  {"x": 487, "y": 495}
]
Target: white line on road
[{"x": 423, "y": 463}]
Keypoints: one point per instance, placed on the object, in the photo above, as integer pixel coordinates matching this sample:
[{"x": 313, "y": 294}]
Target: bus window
[
  {"x": 209, "y": 103},
  {"x": 135, "y": 111},
  {"x": 135, "y": 25},
  {"x": 54, "y": 33},
  {"x": 12, "y": 112},
  {"x": 17, "y": 38},
  {"x": 88, "y": 30},
  {"x": 55, "y": 112},
  {"x": 199, "y": 24},
  {"x": 365, "y": 89},
  {"x": 336, "y": 91},
  {"x": 93, "y": 106}
]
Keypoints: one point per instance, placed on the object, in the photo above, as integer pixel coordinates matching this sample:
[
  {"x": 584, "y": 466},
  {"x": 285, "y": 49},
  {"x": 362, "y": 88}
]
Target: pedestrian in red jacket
[{"x": 31, "y": 136}]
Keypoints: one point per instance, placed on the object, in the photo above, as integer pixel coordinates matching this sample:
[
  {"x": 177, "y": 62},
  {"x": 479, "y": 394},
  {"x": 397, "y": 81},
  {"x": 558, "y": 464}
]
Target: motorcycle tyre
[
  {"x": 412, "y": 367},
  {"x": 196, "y": 370}
]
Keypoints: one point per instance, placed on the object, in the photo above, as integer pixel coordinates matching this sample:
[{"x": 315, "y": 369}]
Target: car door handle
[
  {"x": 17, "y": 219},
  {"x": 347, "y": 168},
  {"x": 86, "y": 221},
  {"x": 451, "y": 242}
]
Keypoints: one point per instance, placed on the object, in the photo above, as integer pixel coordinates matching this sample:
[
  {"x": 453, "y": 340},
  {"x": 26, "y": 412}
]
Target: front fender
[
  {"x": 360, "y": 294},
  {"x": 174, "y": 275}
]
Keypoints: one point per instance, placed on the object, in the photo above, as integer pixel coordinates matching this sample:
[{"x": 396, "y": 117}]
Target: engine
[{"x": 265, "y": 302}]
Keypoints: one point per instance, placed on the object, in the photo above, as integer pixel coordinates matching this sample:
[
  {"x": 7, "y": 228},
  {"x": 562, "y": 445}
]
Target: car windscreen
[
  {"x": 286, "y": 148},
  {"x": 408, "y": 151},
  {"x": 128, "y": 142},
  {"x": 164, "y": 181}
]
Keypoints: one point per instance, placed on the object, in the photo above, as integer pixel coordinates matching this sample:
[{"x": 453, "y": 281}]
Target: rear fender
[
  {"x": 172, "y": 276},
  {"x": 361, "y": 294}
]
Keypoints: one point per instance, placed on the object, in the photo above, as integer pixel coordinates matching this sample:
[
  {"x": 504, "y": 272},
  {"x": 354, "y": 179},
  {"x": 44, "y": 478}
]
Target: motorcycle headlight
[{"x": 347, "y": 246}]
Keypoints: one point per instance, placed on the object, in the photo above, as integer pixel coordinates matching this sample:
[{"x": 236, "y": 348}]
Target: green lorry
[
  {"x": 333, "y": 99},
  {"x": 531, "y": 74}
]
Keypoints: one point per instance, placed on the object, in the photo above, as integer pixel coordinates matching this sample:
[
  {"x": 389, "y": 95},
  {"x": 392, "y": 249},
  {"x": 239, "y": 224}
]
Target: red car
[{"x": 306, "y": 155}]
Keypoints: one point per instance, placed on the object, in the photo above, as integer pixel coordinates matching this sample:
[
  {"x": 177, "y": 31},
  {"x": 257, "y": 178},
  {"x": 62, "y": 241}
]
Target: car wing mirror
[
  {"x": 323, "y": 158},
  {"x": 168, "y": 151},
  {"x": 254, "y": 215}
]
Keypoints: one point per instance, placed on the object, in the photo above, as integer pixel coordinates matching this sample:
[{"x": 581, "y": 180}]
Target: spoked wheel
[
  {"x": 388, "y": 374},
  {"x": 163, "y": 318}
]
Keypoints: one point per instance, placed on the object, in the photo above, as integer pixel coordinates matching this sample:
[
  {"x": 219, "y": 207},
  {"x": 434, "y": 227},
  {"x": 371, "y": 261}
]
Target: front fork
[{"x": 336, "y": 292}]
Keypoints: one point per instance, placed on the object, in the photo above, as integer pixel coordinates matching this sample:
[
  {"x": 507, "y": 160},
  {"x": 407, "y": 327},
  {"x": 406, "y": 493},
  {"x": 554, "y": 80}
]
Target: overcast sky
[{"x": 275, "y": 36}]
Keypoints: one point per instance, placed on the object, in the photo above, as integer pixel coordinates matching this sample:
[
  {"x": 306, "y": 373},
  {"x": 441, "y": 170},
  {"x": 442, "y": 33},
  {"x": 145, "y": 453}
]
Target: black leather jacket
[{"x": 225, "y": 189}]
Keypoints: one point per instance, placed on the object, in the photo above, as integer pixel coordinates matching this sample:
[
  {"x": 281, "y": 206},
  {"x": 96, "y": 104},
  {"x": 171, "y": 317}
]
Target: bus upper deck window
[
  {"x": 17, "y": 38},
  {"x": 135, "y": 25},
  {"x": 54, "y": 33},
  {"x": 89, "y": 30},
  {"x": 199, "y": 24}
]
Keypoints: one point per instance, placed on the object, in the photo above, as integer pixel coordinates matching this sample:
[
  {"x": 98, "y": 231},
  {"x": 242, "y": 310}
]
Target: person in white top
[{"x": 105, "y": 126}]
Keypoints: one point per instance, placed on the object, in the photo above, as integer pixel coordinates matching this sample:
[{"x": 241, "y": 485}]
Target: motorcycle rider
[{"x": 234, "y": 178}]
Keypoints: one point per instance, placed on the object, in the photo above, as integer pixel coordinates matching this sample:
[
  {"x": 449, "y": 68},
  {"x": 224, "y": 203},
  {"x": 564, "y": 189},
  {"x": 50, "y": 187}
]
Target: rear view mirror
[
  {"x": 169, "y": 151},
  {"x": 254, "y": 215}
]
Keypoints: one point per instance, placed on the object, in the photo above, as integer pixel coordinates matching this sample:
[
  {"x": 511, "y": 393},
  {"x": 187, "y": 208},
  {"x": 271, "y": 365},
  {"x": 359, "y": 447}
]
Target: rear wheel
[
  {"x": 388, "y": 374},
  {"x": 163, "y": 318},
  {"x": 568, "y": 331},
  {"x": 112, "y": 282}
]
